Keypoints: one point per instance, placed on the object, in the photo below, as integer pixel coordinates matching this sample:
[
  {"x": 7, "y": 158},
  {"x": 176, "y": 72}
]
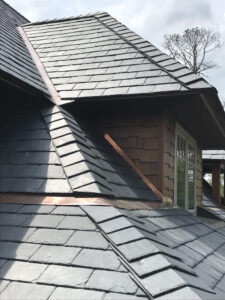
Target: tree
[{"x": 192, "y": 46}]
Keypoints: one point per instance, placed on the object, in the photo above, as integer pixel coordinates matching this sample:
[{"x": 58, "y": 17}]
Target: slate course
[{"x": 119, "y": 263}]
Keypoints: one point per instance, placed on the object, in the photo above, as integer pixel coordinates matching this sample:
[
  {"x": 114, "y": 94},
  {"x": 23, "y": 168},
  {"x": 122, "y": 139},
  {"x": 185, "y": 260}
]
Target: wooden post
[{"x": 216, "y": 169}]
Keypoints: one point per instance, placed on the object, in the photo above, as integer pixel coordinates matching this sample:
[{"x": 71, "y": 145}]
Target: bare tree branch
[{"x": 192, "y": 46}]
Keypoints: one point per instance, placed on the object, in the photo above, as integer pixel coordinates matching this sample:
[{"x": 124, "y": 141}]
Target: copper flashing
[
  {"x": 54, "y": 94},
  {"x": 73, "y": 201},
  {"x": 127, "y": 159}
]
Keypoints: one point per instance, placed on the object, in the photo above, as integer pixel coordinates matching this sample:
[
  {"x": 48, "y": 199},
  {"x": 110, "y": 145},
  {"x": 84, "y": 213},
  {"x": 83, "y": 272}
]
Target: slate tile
[
  {"x": 65, "y": 276},
  {"x": 47, "y": 221},
  {"x": 78, "y": 223},
  {"x": 138, "y": 249},
  {"x": 17, "y": 250},
  {"x": 2, "y": 262},
  {"x": 88, "y": 239},
  {"x": 221, "y": 284},
  {"x": 9, "y": 208},
  {"x": 117, "y": 296},
  {"x": 68, "y": 210},
  {"x": 15, "y": 233},
  {"x": 55, "y": 254},
  {"x": 68, "y": 293},
  {"x": 142, "y": 89},
  {"x": 133, "y": 82},
  {"x": 200, "y": 247},
  {"x": 25, "y": 291},
  {"x": 115, "y": 91},
  {"x": 115, "y": 224},
  {"x": 101, "y": 213},
  {"x": 12, "y": 271},
  {"x": 97, "y": 259},
  {"x": 50, "y": 236},
  {"x": 185, "y": 293},
  {"x": 112, "y": 281},
  {"x": 69, "y": 94},
  {"x": 125, "y": 236},
  {"x": 12, "y": 219},
  {"x": 36, "y": 209},
  {"x": 3, "y": 285},
  {"x": 91, "y": 93}
]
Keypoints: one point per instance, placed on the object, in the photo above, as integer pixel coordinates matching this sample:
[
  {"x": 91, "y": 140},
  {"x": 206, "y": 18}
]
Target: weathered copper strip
[
  {"x": 54, "y": 94},
  {"x": 127, "y": 159},
  {"x": 57, "y": 200}
]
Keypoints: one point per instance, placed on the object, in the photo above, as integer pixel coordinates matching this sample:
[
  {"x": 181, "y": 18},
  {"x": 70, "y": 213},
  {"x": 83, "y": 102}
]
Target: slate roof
[
  {"x": 214, "y": 154},
  {"x": 210, "y": 206},
  {"x": 103, "y": 252},
  {"x": 47, "y": 150},
  {"x": 15, "y": 59},
  {"x": 95, "y": 56}
]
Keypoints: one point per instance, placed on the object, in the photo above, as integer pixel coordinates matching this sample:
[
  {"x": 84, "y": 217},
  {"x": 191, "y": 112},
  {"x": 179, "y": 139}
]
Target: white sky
[{"x": 149, "y": 18}]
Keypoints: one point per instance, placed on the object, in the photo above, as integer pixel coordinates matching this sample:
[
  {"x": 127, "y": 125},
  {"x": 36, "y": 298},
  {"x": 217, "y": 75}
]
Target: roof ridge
[
  {"x": 57, "y": 20},
  {"x": 15, "y": 10},
  {"x": 143, "y": 52}
]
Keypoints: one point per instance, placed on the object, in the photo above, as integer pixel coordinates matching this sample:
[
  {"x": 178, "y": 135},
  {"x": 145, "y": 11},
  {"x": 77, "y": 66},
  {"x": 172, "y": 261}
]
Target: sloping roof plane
[
  {"x": 95, "y": 55},
  {"x": 105, "y": 253},
  {"x": 15, "y": 59}
]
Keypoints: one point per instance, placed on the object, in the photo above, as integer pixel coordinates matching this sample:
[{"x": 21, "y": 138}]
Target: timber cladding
[
  {"x": 139, "y": 136},
  {"x": 149, "y": 141}
]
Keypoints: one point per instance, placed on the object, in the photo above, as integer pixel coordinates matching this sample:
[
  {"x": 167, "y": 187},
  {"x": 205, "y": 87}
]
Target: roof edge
[{"x": 15, "y": 11}]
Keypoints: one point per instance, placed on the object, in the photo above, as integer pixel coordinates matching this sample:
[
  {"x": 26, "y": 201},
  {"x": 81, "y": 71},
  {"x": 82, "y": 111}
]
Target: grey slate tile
[
  {"x": 112, "y": 281},
  {"x": 9, "y": 208},
  {"x": 50, "y": 236},
  {"x": 97, "y": 259},
  {"x": 125, "y": 236},
  {"x": 15, "y": 234},
  {"x": 68, "y": 210},
  {"x": 26, "y": 291},
  {"x": 65, "y": 276},
  {"x": 36, "y": 209},
  {"x": 21, "y": 251},
  {"x": 12, "y": 271},
  {"x": 88, "y": 239},
  {"x": 76, "y": 294},
  {"x": 2, "y": 262},
  {"x": 78, "y": 223},
  {"x": 101, "y": 213},
  {"x": 3, "y": 285},
  {"x": 138, "y": 249},
  {"x": 12, "y": 219},
  {"x": 185, "y": 293},
  {"x": 117, "y": 296},
  {"x": 115, "y": 224},
  {"x": 47, "y": 221},
  {"x": 55, "y": 254}
]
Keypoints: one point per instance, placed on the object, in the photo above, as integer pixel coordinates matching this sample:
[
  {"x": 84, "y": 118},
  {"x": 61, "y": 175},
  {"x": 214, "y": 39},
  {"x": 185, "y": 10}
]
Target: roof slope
[
  {"x": 95, "y": 55},
  {"x": 15, "y": 58},
  {"x": 102, "y": 252},
  {"x": 48, "y": 150}
]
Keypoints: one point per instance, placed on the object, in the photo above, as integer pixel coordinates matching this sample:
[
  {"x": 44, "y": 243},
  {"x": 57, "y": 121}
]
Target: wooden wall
[{"x": 149, "y": 141}]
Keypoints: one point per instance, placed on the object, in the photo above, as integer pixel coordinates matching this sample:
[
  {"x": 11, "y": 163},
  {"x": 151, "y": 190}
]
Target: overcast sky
[{"x": 149, "y": 18}]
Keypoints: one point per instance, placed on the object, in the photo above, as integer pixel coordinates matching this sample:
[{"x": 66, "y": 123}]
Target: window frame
[{"x": 189, "y": 140}]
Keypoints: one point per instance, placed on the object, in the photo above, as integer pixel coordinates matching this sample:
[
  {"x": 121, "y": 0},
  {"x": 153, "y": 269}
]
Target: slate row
[{"x": 15, "y": 57}]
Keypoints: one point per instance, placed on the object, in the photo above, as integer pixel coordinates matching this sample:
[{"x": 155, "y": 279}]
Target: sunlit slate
[
  {"x": 97, "y": 56},
  {"x": 15, "y": 59}
]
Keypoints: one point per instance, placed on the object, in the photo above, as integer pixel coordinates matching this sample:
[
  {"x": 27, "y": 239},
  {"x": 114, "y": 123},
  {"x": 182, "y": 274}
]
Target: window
[{"x": 185, "y": 170}]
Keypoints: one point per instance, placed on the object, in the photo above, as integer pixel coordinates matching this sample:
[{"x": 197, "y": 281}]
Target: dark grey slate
[
  {"x": 101, "y": 213},
  {"x": 15, "y": 234},
  {"x": 68, "y": 293},
  {"x": 115, "y": 224},
  {"x": 65, "y": 276},
  {"x": 12, "y": 271},
  {"x": 67, "y": 210},
  {"x": 10, "y": 208},
  {"x": 88, "y": 239},
  {"x": 50, "y": 236},
  {"x": 98, "y": 259},
  {"x": 21, "y": 251},
  {"x": 78, "y": 223},
  {"x": 55, "y": 254},
  {"x": 112, "y": 281},
  {"x": 47, "y": 221},
  {"x": 19, "y": 290},
  {"x": 125, "y": 236},
  {"x": 36, "y": 209}
]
